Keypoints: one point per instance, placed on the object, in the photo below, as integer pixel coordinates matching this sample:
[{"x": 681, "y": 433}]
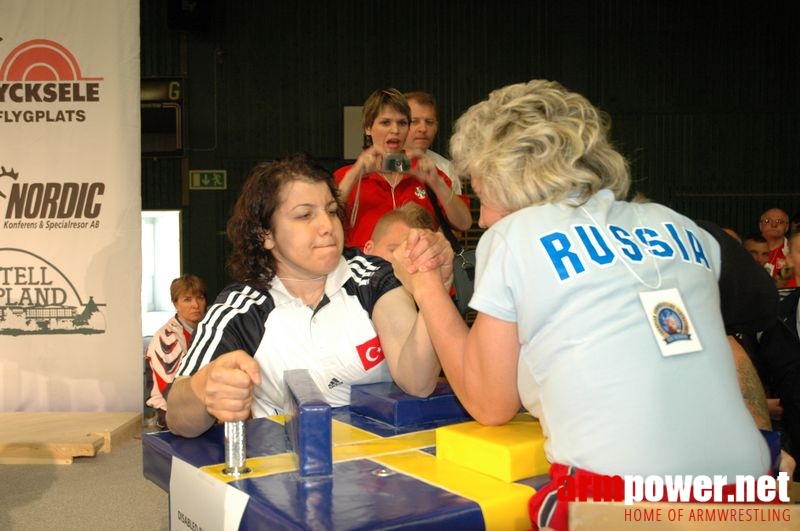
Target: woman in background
[
  {"x": 170, "y": 342},
  {"x": 369, "y": 191}
]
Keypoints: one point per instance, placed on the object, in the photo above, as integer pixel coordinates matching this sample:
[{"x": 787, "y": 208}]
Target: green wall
[{"x": 703, "y": 96}]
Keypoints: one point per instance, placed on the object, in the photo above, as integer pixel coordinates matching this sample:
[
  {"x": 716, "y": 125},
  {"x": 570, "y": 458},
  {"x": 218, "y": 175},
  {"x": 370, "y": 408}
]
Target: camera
[{"x": 396, "y": 163}]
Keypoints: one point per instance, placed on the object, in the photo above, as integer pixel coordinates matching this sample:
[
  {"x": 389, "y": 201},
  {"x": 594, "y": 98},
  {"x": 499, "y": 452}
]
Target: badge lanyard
[{"x": 664, "y": 309}]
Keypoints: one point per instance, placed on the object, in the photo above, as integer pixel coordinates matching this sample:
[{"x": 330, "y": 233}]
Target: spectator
[
  {"x": 757, "y": 246},
  {"x": 779, "y": 349},
  {"x": 370, "y": 191},
  {"x": 733, "y": 234},
  {"x": 170, "y": 342},
  {"x": 749, "y": 304},
  {"x": 422, "y": 133},
  {"x": 773, "y": 225},
  {"x": 393, "y": 228},
  {"x": 794, "y": 222},
  {"x": 793, "y": 260}
]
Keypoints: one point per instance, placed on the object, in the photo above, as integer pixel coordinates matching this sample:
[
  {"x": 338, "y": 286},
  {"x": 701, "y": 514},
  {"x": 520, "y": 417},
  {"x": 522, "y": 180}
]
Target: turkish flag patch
[{"x": 370, "y": 353}]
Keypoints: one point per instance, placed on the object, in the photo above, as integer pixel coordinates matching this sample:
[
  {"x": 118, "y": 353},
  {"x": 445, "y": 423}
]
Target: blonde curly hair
[{"x": 535, "y": 143}]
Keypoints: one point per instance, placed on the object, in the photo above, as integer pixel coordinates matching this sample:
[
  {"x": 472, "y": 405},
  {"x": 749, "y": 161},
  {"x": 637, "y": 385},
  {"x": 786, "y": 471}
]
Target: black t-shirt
[{"x": 748, "y": 295}]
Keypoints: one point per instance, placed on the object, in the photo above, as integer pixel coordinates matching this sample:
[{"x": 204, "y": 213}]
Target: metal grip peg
[{"x": 235, "y": 449}]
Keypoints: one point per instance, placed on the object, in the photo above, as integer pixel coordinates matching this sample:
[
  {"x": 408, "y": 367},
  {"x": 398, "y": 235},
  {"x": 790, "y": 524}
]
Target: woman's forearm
[
  {"x": 406, "y": 345},
  {"x": 455, "y": 210},
  {"x": 480, "y": 367},
  {"x": 418, "y": 367},
  {"x": 187, "y": 415},
  {"x": 351, "y": 176}
]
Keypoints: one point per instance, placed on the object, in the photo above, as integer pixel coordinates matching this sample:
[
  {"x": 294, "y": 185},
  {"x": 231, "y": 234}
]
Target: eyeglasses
[{"x": 767, "y": 221}]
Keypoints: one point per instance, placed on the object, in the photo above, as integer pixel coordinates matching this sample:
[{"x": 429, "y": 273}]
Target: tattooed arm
[{"x": 752, "y": 391}]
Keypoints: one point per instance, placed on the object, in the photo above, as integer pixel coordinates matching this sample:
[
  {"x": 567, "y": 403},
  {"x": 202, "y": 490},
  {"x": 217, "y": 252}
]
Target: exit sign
[{"x": 208, "y": 180}]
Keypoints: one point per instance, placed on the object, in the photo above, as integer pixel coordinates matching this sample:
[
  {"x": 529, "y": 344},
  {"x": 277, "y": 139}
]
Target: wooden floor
[{"x": 57, "y": 438}]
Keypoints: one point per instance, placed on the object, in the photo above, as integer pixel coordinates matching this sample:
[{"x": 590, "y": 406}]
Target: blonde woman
[{"x": 598, "y": 315}]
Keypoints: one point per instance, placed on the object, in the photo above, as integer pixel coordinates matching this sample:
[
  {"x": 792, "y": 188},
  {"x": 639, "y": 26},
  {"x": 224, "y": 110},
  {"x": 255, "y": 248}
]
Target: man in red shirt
[{"x": 773, "y": 224}]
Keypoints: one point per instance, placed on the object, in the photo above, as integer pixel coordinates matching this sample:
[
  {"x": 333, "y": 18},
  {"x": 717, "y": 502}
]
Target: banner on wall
[{"x": 70, "y": 206}]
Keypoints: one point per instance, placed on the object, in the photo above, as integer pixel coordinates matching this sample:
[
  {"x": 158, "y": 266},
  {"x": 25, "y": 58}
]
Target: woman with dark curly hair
[{"x": 301, "y": 301}]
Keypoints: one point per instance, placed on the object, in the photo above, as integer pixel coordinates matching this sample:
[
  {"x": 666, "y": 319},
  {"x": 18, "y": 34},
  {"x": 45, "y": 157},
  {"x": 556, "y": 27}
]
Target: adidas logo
[{"x": 334, "y": 383}]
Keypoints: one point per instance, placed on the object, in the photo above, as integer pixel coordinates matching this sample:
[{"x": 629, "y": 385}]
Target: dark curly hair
[{"x": 252, "y": 214}]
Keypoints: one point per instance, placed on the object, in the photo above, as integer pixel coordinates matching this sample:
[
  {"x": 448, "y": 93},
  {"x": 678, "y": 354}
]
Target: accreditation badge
[{"x": 670, "y": 322}]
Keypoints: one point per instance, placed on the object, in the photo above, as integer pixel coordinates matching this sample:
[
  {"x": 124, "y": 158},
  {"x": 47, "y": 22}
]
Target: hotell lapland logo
[
  {"x": 38, "y": 74},
  {"x": 37, "y": 298}
]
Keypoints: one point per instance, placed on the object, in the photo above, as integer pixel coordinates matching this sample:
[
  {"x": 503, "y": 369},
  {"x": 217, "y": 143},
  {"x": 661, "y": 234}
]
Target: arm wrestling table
[{"x": 397, "y": 462}]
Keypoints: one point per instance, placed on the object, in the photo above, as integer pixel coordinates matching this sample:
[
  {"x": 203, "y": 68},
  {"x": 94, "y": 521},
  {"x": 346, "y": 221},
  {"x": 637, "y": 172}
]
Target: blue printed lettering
[
  {"x": 656, "y": 246},
  {"x": 557, "y": 246},
  {"x": 629, "y": 247},
  {"x": 674, "y": 233},
  {"x": 567, "y": 262},
  {"x": 697, "y": 247},
  {"x": 596, "y": 246}
]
